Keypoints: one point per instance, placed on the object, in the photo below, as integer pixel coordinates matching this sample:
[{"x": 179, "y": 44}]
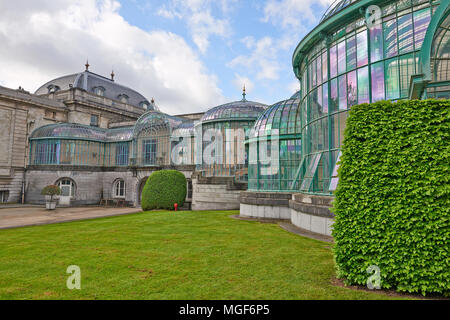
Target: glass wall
[
  {"x": 275, "y": 148},
  {"x": 355, "y": 65}
]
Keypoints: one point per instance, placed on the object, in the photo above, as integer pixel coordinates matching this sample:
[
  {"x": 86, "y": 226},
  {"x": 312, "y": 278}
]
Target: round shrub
[
  {"x": 163, "y": 189},
  {"x": 392, "y": 202}
]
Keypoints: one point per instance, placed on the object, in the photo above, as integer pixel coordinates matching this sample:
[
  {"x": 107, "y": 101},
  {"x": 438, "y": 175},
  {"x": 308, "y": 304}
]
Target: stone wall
[
  {"x": 309, "y": 212},
  {"x": 269, "y": 205},
  {"x": 215, "y": 193}
]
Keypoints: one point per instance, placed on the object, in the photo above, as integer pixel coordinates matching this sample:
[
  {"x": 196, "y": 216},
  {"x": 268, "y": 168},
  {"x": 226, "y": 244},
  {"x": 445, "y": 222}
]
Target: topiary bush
[
  {"x": 163, "y": 189},
  {"x": 392, "y": 202}
]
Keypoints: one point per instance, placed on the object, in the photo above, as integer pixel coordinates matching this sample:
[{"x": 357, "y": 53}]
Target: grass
[{"x": 166, "y": 255}]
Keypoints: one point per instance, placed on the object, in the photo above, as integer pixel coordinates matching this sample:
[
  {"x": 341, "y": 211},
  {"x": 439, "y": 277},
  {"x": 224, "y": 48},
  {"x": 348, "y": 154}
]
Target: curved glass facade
[
  {"x": 352, "y": 65},
  {"x": 223, "y": 131},
  {"x": 275, "y": 148}
]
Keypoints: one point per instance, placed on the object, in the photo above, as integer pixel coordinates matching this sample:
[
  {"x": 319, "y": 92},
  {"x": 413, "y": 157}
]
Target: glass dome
[
  {"x": 186, "y": 129},
  {"x": 237, "y": 110},
  {"x": 83, "y": 132},
  {"x": 335, "y": 7},
  {"x": 281, "y": 118}
]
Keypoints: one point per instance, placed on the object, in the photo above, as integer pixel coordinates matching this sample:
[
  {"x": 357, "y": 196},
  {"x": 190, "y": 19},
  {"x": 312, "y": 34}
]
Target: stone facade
[{"x": 309, "y": 212}]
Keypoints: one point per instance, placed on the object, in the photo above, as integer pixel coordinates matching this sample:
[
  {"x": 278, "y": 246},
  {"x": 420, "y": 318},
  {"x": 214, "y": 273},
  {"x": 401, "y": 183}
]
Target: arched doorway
[{"x": 139, "y": 190}]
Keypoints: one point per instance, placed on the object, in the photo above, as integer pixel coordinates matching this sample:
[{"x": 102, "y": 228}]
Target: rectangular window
[
  {"x": 325, "y": 66},
  {"x": 407, "y": 69},
  {"x": 319, "y": 70},
  {"x": 363, "y": 85},
  {"x": 361, "y": 45},
  {"x": 310, "y": 171},
  {"x": 351, "y": 53},
  {"x": 334, "y": 96},
  {"x": 377, "y": 79},
  {"x": 405, "y": 34},
  {"x": 421, "y": 21},
  {"x": 376, "y": 43},
  {"x": 342, "y": 66},
  {"x": 122, "y": 154},
  {"x": 391, "y": 75},
  {"x": 47, "y": 152},
  {"x": 351, "y": 89},
  {"x": 4, "y": 195},
  {"x": 334, "y": 175},
  {"x": 333, "y": 61},
  {"x": 325, "y": 97},
  {"x": 314, "y": 73},
  {"x": 149, "y": 151},
  {"x": 342, "y": 92},
  {"x": 390, "y": 38},
  {"x": 94, "y": 120}
]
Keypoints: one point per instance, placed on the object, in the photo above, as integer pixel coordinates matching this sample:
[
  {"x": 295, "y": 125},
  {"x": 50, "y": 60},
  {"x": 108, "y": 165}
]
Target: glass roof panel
[
  {"x": 234, "y": 110},
  {"x": 282, "y": 117}
]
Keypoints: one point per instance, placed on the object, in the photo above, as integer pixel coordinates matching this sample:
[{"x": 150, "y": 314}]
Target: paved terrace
[{"x": 22, "y": 216}]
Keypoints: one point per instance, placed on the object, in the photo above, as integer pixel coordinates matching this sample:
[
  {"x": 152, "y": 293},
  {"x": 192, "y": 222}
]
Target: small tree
[{"x": 51, "y": 190}]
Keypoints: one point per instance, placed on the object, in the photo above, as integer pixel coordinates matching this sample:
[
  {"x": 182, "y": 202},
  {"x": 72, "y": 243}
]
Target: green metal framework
[
  {"x": 342, "y": 63},
  {"x": 275, "y": 148}
]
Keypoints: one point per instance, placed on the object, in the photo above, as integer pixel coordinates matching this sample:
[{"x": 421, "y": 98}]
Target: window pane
[
  {"x": 325, "y": 66},
  {"x": 342, "y": 92},
  {"x": 390, "y": 38},
  {"x": 421, "y": 21},
  {"x": 363, "y": 85},
  {"x": 351, "y": 88},
  {"x": 334, "y": 96},
  {"x": 319, "y": 70},
  {"x": 391, "y": 74},
  {"x": 351, "y": 53},
  {"x": 377, "y": 77},
  {"x": 333, "y": 62},
  {"x": 314, "y": 73},
  {"x": 361, "y": 39},
  {"x": 325, "y": 97},
  {"x": 405, "y": 34},
  {"x": 406, "y": 71},
  {"x": 376, "y": 43},
  {"x": 341, "y": 58}
]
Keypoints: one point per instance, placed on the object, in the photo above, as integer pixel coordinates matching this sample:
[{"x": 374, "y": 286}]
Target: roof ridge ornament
[
  {"x": 87, "y": 65},
  {"x": 244, "y": 94},
  {"x": 112, "y": 75}
]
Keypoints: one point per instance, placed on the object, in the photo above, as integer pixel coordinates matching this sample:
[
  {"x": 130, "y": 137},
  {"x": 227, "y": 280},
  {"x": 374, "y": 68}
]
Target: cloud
[
  {"x": 293, "y": 13},
  {"x": 42, "y": 40},
  {"x": 239, "y": 82},
  {"x": 199, "y": 19},
  {"x": 262, "y": 58}
]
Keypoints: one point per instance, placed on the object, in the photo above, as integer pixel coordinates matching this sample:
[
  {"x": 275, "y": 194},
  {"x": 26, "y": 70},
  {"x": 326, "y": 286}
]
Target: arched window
[
  {"x": 144, "y": 104},
  {"x": 67, "y": 187},
  {"x": 119, "y": 189},
  {"x": 52, "y": 88},
  {"x": 123, "y": 98},
  {"x": 100, "y": 91}
]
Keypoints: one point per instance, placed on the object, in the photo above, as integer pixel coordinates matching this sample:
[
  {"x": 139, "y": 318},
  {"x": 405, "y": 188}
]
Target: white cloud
[
  {"x": 199, "y": 19},
  {"x": 46, "y": 39},
  {"x": 239, "y": 82},
  {"x": 294, "y": 86},
  {"x": 262, "y": 59},
  {"x": 293, "y": 13}
]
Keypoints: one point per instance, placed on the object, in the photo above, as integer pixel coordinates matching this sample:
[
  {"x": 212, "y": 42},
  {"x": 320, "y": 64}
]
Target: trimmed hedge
[
  {"x": 163, "y": 189},
  {"x": 392, "y": 202}
]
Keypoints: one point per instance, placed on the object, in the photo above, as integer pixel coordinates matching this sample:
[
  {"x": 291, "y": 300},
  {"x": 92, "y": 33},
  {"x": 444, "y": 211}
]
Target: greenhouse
[
  {"x": 276, "y": 137},
  {"x": 221, "y": 134},
  {"x": 148, "y": 143},
  {"x": 346, "y": 61}
]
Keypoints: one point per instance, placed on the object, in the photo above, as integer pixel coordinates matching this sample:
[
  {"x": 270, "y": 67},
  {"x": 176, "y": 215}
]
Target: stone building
[{"x": 99, "y": 140}]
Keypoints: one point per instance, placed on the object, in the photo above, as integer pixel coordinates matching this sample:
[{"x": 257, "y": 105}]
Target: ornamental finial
[
  {"x": 243, "y": 94},
  {"x": 87, "y": 65}
]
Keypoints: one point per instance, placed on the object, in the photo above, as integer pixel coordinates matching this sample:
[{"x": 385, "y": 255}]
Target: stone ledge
[{"x": 316, "y": 210}]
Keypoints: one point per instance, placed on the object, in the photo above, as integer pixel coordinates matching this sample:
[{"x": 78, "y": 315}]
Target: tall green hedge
[
  {"x": 392, "y": 203},
  {"x": 163, "y": 189}
]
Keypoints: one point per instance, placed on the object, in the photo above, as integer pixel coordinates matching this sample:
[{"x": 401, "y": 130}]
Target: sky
[{"x": 189, "y": 55}]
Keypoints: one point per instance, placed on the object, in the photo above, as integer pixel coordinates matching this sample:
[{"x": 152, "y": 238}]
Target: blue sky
[{"x": 189, "y": 55}]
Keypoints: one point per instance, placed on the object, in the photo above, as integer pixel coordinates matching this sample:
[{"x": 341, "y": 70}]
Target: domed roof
[
  {"x": 335, "y": 7},
  {"x": 79, "y": 131},
  {"x": 99, "y": 85},
  {"x": 280, "y": 118},
  {"x": 159, "y": 120},
  {"x": 237, "y": 110}
]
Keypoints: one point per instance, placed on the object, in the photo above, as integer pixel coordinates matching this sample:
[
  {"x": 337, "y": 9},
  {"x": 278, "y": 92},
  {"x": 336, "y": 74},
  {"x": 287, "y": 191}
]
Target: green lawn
[{"x": 167, "y": 255}]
